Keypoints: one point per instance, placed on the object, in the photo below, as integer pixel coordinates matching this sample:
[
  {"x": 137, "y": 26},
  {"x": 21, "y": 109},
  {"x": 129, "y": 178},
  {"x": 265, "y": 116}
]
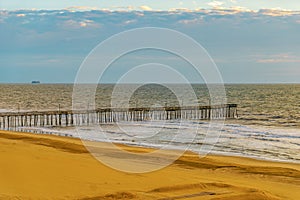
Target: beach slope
[{"x": 52, "y": 167}]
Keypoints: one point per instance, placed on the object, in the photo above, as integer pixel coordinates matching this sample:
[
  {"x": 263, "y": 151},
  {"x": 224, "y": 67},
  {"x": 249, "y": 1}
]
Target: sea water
[{"x": 268, "y": 126}]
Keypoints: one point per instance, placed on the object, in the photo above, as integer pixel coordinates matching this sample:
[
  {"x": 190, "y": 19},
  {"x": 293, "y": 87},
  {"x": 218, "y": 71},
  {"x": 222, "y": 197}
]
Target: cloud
[
  {"x": 191, "y": 21},
  {"x": 81, "y": 8},
  {"x": 146, "y": 8},
  {"x": 123, "y": 8},
  {"x": 132, "y": 21},
  {"x": 279, "y": 58},
  {"x": 21, "y": 15},
  {"x": 182, "y": 10},
  {"x": 237, "y": 9},
  {"x": 278, "y": 12},
  {"x": 140, "y": 14},
  {"x": 215, "y": 4},
  {"x": 83, "y": 24},
  {"x": 79, "y": 24},
  {"x": 230, "y": 11}
]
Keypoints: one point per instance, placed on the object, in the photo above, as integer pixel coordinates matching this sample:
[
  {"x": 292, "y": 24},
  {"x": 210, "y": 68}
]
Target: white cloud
[
  {"x": 240, "y": 9},
  {"x": 130, "y": 7},
  {"x": 146, "y": 8},
  {"x": 21, "y": 15},
  {"x": 215, "y": 4},
  {"x": 80, "y": 24},
  {"x": 191, "y": 21},
  {"x": 140, "y": 14},
  {"x": 83, "y": 24},
  {"x": 81, "y": 8},
  {"x": 279, "y": 58},
  {"x": 232, "y": 10},
  {"x": 180, "y": 10},
  {"x": 278, "y": 12},
  {"x": 130, "y": 22}
]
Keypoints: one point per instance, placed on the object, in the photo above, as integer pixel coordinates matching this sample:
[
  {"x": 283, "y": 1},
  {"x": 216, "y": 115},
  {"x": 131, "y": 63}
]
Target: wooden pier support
[{"x": 111, "y": 115}]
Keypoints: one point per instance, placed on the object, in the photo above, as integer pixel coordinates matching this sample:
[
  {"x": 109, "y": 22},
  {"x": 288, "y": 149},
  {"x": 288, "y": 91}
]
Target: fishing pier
[{"x": 66, "y": 118}]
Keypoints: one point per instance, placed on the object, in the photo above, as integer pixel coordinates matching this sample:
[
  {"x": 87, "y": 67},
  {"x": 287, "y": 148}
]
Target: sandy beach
[{"x": 52, "y": 167}]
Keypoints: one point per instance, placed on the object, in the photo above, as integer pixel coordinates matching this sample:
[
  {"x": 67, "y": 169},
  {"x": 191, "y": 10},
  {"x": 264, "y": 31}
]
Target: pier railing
[{"x": 110, "y": 115}]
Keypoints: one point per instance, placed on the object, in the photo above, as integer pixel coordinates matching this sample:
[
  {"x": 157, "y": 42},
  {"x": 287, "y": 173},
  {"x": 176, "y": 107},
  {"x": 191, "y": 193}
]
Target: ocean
[{"x": 267, "y": 127}]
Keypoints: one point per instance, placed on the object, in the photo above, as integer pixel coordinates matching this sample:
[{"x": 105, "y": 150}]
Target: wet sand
[{"x": 52, "y": 167}]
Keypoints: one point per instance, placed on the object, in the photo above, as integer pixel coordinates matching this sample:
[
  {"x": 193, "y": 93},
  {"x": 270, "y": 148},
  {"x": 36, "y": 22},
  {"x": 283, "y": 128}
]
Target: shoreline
[
  {"x": 43, "y": 131},
  {"x": 36, "y": 166},
  {"x": 148, "y": 148}
]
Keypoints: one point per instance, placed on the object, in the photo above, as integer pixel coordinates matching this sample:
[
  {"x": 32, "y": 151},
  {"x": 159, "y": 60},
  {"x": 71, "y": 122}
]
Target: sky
[
  {"x": 148, "y": 4},
  {"x": 250, "y": 41}
]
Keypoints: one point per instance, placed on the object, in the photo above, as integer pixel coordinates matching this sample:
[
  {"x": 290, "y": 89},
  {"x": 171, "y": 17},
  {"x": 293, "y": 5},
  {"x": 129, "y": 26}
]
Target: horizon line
[{"x": 113, "y": 83}]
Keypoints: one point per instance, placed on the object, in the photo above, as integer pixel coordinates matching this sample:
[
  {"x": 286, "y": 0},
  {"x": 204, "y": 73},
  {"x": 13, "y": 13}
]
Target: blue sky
[{"x": 250, "y": 41}]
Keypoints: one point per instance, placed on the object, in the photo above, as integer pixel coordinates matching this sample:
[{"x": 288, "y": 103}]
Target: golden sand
[{"x": 52, "y": 167}]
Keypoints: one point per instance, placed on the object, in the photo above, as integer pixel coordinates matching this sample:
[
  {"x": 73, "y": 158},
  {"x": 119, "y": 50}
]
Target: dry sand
[{"x": 52, "y": 167}]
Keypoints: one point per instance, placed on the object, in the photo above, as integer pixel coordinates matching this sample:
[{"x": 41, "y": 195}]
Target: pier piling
[{"x": 111, "y": 115}]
